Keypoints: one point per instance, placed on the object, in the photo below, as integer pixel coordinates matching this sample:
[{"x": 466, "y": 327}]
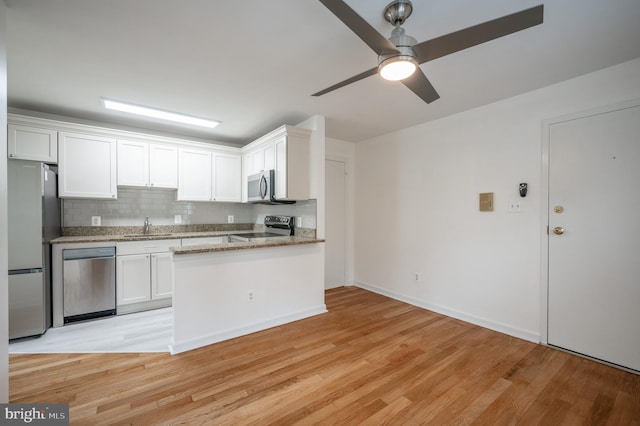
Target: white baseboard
[
  {"x": 188, "y": 345},
  {"x": 482, "y": 322}
]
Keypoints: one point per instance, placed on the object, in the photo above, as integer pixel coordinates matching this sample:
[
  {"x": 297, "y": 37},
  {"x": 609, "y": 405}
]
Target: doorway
[
  {"x": 593, "y": 271},
  {"x": 335, "y": 230}
]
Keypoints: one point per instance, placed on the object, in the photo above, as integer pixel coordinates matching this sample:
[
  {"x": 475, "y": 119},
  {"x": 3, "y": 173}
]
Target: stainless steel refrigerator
[{"x": 34, "y": 220}]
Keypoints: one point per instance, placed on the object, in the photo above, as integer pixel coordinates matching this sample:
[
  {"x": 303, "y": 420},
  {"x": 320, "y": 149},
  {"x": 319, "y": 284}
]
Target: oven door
[{"x": 259, "y": 187}]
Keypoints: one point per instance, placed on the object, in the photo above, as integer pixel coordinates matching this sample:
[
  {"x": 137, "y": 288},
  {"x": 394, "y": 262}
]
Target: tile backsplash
[{"x": 133, "y": 205}]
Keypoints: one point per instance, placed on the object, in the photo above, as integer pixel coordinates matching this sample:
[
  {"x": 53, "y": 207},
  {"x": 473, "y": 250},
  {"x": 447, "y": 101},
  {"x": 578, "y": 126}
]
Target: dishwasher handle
[{"x": 88, "y": 253}]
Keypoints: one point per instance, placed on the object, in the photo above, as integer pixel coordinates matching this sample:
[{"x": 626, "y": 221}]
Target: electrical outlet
[
  {"x": 299, "y": 222},
  {"x": 230, "y": 218},
  {"x": 416, "y": 277},
  {"x": 251, "y": 296},
  {"x": 177, "y": 219},
  {"x": 95, "y": 220}
]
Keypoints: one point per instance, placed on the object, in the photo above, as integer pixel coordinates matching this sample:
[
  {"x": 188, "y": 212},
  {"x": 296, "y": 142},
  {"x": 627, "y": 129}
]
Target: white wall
[
  {"x": 417, "y": 204},
  {"x": 4, "y": 327},
  {"x": 346, "y": 151}
]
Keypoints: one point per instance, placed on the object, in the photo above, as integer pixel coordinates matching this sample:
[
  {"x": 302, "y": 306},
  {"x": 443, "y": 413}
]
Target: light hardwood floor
[
  {"x": 149, "y": 331},
  {"x": 370, "y": 360}
]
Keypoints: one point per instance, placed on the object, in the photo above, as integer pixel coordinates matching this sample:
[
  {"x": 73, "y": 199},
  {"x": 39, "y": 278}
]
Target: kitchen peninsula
[
  {"x": 222, "y": 291},
  {"x": 219, "y": 289}
]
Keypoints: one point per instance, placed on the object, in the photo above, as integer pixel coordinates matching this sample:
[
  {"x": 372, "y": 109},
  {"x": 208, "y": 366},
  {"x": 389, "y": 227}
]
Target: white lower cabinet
[
  {"x": 144, "y": 274},
  {"x": 133, "y": 279},
  {"x": 161, "y": 273}
]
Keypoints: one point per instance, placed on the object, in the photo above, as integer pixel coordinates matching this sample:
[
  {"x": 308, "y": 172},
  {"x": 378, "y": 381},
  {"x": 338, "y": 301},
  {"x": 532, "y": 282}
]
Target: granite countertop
[
  {"x": 141, "y": 237},
  {"x": 258, "y": 243},
  {"x": 126, "y": 234}
]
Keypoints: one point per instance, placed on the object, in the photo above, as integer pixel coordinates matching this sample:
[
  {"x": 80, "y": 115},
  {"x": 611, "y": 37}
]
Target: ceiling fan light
[{"x": 397, "y": 67}]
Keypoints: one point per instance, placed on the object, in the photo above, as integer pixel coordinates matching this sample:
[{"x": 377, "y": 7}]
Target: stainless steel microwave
[{"x": 260, "y": 187}]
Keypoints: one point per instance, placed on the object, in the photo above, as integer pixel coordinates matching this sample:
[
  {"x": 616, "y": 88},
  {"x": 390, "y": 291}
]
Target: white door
[
  {"x": 594, "y": 236},
  {"x": 334, "y": 270}
]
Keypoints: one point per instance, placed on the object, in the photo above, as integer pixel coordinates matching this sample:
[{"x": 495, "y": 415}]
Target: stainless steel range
[{"x": 276, "y": 226}]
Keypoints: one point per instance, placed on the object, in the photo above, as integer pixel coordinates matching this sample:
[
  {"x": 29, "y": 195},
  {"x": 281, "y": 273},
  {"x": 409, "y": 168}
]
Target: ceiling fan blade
[
  {"x": 419, "y": 84},
  {"x": 366, "y": 32},
  {"x": 353, "y": 79},
  {"x": 478, "y": 34}
]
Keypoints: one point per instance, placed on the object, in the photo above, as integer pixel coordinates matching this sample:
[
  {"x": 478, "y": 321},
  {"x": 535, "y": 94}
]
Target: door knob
[{"x": 558, "y": 230}]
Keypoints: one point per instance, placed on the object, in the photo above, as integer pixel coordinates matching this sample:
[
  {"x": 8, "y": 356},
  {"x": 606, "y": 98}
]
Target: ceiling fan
[{"x": 402, "y": 52}]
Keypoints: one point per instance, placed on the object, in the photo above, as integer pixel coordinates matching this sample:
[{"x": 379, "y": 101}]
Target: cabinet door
[
  {"x": 270, "y": 156},
  {"x": 227, "y": 177},
  {"x": 194, "y": 171},
  {"x": 133, "y": 163},
  {"x": 163, "y": 166},
  {"x": 87, "y": 166},
  {"x": 161, "y": 276},
  {"x": 281, "y": 168},
  {"x": 32, "y": 143},
  {"x": 133, "y": 279},
  {"x": 255, "y": 161}
]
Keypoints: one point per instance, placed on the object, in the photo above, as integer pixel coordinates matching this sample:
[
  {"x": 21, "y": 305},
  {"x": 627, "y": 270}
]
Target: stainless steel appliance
[
  {"x": 34, "y": 220},
  {"x": 261, "y": 188},
  {"x": 276, "y": 226},
  {"x": 89, "y": 283}
]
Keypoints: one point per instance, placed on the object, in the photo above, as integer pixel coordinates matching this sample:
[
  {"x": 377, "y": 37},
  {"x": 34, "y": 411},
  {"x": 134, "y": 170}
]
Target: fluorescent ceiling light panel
[{"x": 156, "y": 113}]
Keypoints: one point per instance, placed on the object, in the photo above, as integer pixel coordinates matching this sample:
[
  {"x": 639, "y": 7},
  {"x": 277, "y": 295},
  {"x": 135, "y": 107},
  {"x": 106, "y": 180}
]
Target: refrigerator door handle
[{"x": 25, "y": 271}]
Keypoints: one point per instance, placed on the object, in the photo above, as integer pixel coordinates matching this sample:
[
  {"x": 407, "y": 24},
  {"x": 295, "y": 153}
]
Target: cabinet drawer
[
  {"x": 204, "y": 240},
  {"x": 147, "y": 246}
]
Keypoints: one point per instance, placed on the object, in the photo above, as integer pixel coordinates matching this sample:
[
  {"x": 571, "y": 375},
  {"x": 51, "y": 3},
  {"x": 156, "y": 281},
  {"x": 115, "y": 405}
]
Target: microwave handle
[{"x": 263, "y": 184}]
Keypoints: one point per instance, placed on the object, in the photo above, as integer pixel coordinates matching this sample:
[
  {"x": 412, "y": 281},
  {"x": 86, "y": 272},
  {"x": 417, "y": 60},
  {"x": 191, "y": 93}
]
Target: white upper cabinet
[
  {"x": 254, "y": 161},
  {"x": 87, "y": 166},
  {"x": 163, "y": 166},
  {"x": 195, "y": 174},
  {"x": 133, "y": 163},
  {"x": 32, "y": 143},
  {"x": 285, "y": 150},
  {"x": 94, "y": 161},
  {"x": 227, "y": 169},
  {"x": 292, "y": 164},
  {"x": 144, "y": 164},
  {"x": 209, "y": 176}
]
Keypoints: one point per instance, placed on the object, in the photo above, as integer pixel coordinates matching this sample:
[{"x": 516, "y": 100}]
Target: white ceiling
[{"x": 254, "y": 64}]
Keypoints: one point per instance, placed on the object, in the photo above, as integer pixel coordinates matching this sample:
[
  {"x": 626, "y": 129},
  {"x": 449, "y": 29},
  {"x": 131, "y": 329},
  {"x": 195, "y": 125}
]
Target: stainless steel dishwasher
[{"x": 89, "y": 283}]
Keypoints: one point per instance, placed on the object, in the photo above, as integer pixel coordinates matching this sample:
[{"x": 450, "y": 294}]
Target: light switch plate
[
  {"x": 230, "y": 219},
  {"x": 515, "y": 206},
  {"x": 486, "y": 201}
]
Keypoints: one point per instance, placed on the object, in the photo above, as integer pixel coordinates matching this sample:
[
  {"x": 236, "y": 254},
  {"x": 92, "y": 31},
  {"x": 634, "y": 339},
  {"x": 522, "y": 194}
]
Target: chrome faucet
[{"x": 147, "y": 226}]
